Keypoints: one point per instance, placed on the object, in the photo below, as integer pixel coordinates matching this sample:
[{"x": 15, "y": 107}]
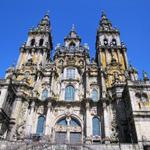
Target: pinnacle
[{"x": 73, "y": 27}]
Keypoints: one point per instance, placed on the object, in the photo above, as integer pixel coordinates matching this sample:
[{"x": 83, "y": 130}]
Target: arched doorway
[{"x": 68, "y": 130}]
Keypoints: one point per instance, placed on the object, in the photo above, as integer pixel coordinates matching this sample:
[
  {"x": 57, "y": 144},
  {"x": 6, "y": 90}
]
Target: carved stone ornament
[
  {"x": 20, "y": 131},
  {"x": 114, "y": 134},
  {"x": 40, "y": 110}
]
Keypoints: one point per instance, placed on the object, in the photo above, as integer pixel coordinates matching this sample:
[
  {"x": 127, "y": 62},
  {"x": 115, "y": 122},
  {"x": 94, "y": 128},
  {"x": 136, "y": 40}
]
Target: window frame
[
  {"x": 71, "y": 96},
  {"x": 40, "y": 131},
  {"x": 94, "y": 126},
  {"x": 95, "y": 95},
  {"x": 43, "y": 97},
  {"x": 70, "y": 73}
]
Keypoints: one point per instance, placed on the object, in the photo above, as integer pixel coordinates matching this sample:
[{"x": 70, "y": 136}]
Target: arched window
[
  {"x": 94, "y": 95},
  {"x": 69, "y": 93},
  {"x": 70, "y": 73},
  {"x": 62, "y": 122},
  {"x": 44, "y": 94},
  {"x": 41, "y": 42},
  {"x": 74, "y": 122},
  {"x": 32, "y": 42},
  {"x": 40, "y": 125},
  {"x": 114, "y": 41},
  {"x": 105, "y": 42},
  {"x": 96, "y": 126},
  {"x": 72, "y": 46}
]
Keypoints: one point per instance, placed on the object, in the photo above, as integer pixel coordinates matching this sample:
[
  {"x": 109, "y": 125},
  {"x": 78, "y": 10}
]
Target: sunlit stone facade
[{"x": 69, "y": 98}]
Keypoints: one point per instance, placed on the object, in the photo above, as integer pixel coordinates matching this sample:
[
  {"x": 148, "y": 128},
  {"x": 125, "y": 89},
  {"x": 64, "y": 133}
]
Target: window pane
[
  {"x": 44, "y": 94},
  {"x": 75, "y": 138},
  {"x": 62, "y": 122},
  {"x": 96, "y": 126},
  {"x": 60, "y": 137},
  {"x": 40, "y": 125},
  {"x": 95, "y": 95},
  {"x": 74, "y": 123},
  {"x": 69, "y": 93},
  {"x": 70, "y": 73}
]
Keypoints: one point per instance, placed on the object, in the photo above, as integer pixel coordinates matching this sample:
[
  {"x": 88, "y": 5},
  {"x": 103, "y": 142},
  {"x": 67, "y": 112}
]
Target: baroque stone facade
[{"x": 70, "y": 99}]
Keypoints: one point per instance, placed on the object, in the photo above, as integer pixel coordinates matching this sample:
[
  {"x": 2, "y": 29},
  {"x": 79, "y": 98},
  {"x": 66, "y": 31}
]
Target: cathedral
[{"x": 70, "y": 101}]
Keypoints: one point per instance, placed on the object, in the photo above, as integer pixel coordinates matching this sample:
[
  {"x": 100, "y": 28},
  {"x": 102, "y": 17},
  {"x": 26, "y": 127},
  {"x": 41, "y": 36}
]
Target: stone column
[
  {"x": 13, "y": 120},
  {"x": 68, "y": 129},
  {"x": 100, "y": 57},
  {"x": 3, "y": 96},
  {"x": 20, "y": 58},
  {"x": 118, "y": 54},
  {"x": 88, "y": 123},
  {"x": 48, "y": 120},
  {"x": 106, "y": 121},
  {"x": 125, "y": 58},
  {"x": 106, "y": 55},
  {"x": 103, "y": 86},
  {"x": 30, "y": 119},
  {"x": 44, "y": 57}
]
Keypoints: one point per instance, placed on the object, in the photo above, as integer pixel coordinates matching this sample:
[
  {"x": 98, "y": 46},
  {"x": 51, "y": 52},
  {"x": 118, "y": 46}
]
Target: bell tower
[
  {"x": 36, "y": 50},
  {"x": 110, "y": 51}
]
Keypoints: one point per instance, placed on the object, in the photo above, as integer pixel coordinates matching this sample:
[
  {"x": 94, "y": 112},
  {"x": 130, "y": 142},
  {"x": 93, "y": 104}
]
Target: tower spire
[
  {"x": 105, "y": 24},
  {"x": 39, "y": 43}
]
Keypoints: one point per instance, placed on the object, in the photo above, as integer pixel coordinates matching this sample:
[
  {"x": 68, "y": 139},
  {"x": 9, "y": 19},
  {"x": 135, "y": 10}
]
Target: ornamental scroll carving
[{"x": 114, "y": 134}]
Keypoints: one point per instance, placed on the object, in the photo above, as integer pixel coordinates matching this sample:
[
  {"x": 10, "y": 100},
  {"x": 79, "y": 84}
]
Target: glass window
[
  {"x": 74, "y": 123},
  {"x": 72, "y": 46},
  {"x": 69, "y": 93},
  {"x": 40, "y": 125},
  {"x": 96, "y": 126},
  {"x": 70, "y": 73},
  {"x": 62, "y": 122},
  {"x": 75, "y": 137},
  {"x": 61, "y": 137},
  {"x": 94, "y": 95},
  {"x": 44, "y": 94}
]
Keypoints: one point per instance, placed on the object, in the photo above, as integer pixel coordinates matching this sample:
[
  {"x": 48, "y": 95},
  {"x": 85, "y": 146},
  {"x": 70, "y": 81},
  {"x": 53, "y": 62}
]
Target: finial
[
  {"x": 103, "y": 14},
  {"x": 46, "y": 16},
  {"x": 47, "y": 13},
  {"x": 145, "y": 76},
  {"x": 73, "y": 27}
]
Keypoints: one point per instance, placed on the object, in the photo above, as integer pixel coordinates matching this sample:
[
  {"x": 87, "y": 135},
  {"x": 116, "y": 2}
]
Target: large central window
[
  {"x": 69, "y": 93},
  {"x": 70, "y": 73}
]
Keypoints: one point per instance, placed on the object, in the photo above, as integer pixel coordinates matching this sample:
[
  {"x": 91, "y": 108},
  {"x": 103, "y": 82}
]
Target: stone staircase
[{"x": 39, "y": 145}]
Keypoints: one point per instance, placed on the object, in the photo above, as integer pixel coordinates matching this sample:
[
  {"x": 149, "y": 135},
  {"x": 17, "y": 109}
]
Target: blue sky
[{"x": 131, "y": 17}]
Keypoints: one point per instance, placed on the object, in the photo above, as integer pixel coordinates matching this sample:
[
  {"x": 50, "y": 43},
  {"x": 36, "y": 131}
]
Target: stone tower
[{"x": 38, "y": 46}]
